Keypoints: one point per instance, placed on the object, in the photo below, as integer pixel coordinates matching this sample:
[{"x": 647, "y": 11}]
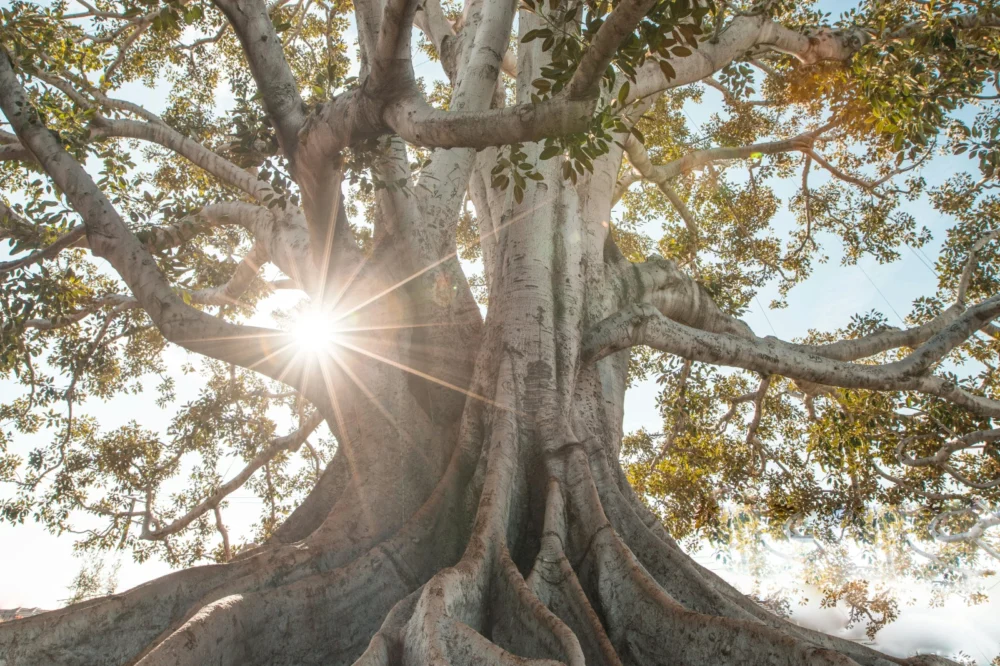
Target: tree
[{"x": 475, "y": 509}]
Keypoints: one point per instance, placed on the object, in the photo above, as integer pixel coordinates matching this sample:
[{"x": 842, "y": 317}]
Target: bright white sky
[{"x": 38, "y": 567}]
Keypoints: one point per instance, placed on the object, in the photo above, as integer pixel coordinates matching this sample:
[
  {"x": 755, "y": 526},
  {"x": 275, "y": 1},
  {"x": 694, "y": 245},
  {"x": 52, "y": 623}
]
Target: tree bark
[
  {"x": 475, "y": 512},
  {"x": 499, "y": 534}
]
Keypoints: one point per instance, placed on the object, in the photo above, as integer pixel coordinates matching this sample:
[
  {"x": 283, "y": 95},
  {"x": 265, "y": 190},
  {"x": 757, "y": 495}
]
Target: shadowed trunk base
[{"x": 521, "y": 555}]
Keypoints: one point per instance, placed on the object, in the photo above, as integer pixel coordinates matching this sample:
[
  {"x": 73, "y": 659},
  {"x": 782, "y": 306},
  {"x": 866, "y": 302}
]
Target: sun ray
[
  {"x": 424, "y": 375},
  {"x": 396, "y": 286},
  {"x": 378, "y": 404},
  {"x": 342, "y": 438},
  {"x": 517, "y": 218},
  {"x": 394, "y": 327},
  {"x": 337, "y": 178}
]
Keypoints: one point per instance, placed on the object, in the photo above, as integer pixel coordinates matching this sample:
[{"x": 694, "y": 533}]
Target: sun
[{"x": 314, "y": 331}]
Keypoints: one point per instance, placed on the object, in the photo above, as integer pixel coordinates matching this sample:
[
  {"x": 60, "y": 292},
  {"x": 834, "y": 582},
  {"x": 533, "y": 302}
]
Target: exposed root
[
  {"x": 378, "y": 579},
  {"x": 524, "y": 624},
  {"x": 116, "y": 627},
  {"x": 631, "y": 515},
  {"x": 648, "y": 626},
  {"x": 470, "y": 613},
  {"x": 130, "y": 626},
  {"x": 670, "y": 567},
  {"x": 319, "y": 619},
  {"x": 218, "y": 626},
  {"x": 607, "y": 587},
  {"x": 554, "y": 582},
  {"x": 385, "y": 647},
  {"x": 440, "y": 631}
]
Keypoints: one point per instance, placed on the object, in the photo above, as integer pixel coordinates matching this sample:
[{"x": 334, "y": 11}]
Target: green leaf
[
  {"x": 193, "y": 14},
  {"x": 549, "y": 152},
  {"x": 623, "y": 93},
  {"x": 668, "y": 70}
]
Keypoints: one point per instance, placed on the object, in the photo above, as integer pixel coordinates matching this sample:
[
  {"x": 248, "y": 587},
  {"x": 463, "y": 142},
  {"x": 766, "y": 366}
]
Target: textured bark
[
  {"x": 520, "y": 545},
  {"x": 475, "y": 512}
]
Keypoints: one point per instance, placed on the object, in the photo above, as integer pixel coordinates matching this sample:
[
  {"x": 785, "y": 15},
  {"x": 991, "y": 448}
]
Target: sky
[{"x": 39, "y": 567}]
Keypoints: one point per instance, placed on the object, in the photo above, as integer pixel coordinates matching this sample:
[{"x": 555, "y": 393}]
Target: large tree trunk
[
  {"x": 490, "y": 526},
  {"x": 475, "y": 512}
]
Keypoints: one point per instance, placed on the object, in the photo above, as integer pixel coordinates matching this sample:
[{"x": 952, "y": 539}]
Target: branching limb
[
  {"x": 116, "y": 300},
  {"x": 69, "y": 239},
  {"x": 664, "y": 278},
  {"x": 973, "y": 534},
  {"x": 734, "y": 404},
  {"x": 970, "y": 21},
  {"x": 844, "y": 176},
  {"x": 123, "y": 49},
  {"x": 392, "y": 45},
  {"x": 430, "y": 19},
  {"x": 227, "y": 553},
  {"x": 701, "y": 158},
  {"x": 263, "y": 49},
  {"x": 164, "y": 135},
  {"x": 617, "y": 27},
  {"x": 173, "y": 140},
  {"x": 290, "y": 442},
  {"x": 912, "y": 487},
  {"x": 111, "y": 239},
  {"x": 236, "y": 286},
  {"x": 662, "y": 284},
  {"x": 680, "y": 416},
  {"x": 711, "y": 82},
  {"x": 274, "y": 230},
  {"x": 644, "y": 324},
  {"x": 421, "y": 124},
  {"x": 970, "y": 264},
  {"x": 627, "y": 179},
  {"x": 758, "y": 411},
  {"x": 941, "y": 458},
  {"x": 741, "y": 35},
  {"x": 81, "y": 91},
  {"x": 947, "y": 449}
]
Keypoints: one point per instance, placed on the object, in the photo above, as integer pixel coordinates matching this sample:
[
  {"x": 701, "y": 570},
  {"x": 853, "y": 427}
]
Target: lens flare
[{"x": 314, "y": 331}]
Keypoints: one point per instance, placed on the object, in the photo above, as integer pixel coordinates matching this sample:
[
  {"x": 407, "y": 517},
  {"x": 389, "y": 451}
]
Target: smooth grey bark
[{"x": 475, "y": 512}]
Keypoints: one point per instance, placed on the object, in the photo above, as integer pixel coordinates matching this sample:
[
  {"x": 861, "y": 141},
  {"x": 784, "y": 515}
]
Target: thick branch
[
  {"x": 617, "y": 27},
  {"x": 170, "y": 138},
  {"x": 162, "y": 134},
  {"x": 423, "y": 125},
  {"x": 970, "y": 264},
  {"x": 740, "y": 36},
  {"x": 110, "y": 238},
  {"x": 277, "y": 233},
  {"x": 238, "y": 283},
  {"x": 278, "y": 87},
  {"x": 644, "y": 324}
]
